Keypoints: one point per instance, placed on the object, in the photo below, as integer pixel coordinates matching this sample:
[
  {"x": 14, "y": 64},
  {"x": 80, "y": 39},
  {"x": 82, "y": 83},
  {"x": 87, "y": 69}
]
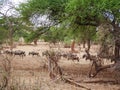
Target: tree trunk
[
  {"x": 88, "y": 44},
  {"x": 116, "y": 34},
  {"x": 83, "y": 43},
  {"x": 117, "y": 50},
  {"x": 10, "y": 36},
  {"x": 35, "y": 41},
  {"x": 11, "y": 43},
  {"x": 73, "y": 46}
]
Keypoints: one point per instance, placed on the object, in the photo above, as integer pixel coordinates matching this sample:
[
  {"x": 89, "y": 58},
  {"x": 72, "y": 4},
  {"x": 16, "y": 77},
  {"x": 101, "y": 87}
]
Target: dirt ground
[{"x": 30, "y": 71}]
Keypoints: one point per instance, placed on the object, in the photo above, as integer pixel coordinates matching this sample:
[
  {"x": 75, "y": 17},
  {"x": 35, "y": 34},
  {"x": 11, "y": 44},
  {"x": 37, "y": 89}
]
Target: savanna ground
[{"x": 31, "y": 73}]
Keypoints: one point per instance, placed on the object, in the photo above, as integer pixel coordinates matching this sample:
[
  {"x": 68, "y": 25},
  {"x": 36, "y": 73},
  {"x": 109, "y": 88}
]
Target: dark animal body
[
  {"x": 9, "y": 52},
  {"x": 73, "y": 57},
  {"x": 33, "y": 53},
  {"x": 19, "y": 52}
]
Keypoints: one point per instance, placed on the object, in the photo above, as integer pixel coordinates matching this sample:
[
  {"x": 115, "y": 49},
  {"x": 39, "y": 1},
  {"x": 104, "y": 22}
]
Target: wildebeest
[
  {"x": 33, "y": 53},
  {"x": 73, "y": 57},
  {"x": 64, "y": 55},
  {"x": 70, "y": 56},
  {"x": 19, "y": 52},
  {"x": 52, "y": 54},
  {"x": 9, "y": 52}
]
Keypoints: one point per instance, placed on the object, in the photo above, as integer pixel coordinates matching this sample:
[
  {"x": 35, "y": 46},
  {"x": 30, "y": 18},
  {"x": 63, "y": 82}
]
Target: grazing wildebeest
[
  {"x": 9, "y": 52},
  {"x": 33, "y": 53},
  {"x": 64, "y": 55},
  {"x": 20, "y": 53},
  {"x": 72, "y": 57}
]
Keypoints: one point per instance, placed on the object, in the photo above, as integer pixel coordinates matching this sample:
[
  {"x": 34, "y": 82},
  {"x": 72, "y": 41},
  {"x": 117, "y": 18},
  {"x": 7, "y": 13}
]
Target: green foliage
[
  {"x": 31, "y": 36},
  {"x": 3, "y": 34},
  {"x": 3, "y": 31},
  {"x": 104, "y": 35},
  {"x": 79, "y": 11},
  {"x": 13, "y": 27},
  {"x": 32, "y": 7},
  {"x": 20, "y": 33},
  {"x": 54, "y": 34},
  {"x": 35, "y": 34},
  {"x": 53, "y": 8},
  {"x": 91, "y": 12},
  {"x": 79, "y": 17}
]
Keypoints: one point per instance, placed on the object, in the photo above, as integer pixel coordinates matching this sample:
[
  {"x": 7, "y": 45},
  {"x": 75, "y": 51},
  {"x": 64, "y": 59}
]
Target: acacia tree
[
  {"x": 78, "y": 12},
  {"x": 33, "y": 10},
  {"x": 54, "y": 9},
  {"x": 93, "y": 13},
  {"x": 10, "y": 23},
  {"x": 85, "y": 34},
  {"x": 12, "y": 27}
]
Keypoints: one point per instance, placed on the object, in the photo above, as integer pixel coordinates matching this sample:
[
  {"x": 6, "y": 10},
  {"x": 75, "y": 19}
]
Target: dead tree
[
  {"x": 96, "y": 64},
  {"x": 55, "y": 71},
  {"x": 6, "y": 70},
  {"x": 110, "y": 35},
  {"x": 53, "y": 67}
]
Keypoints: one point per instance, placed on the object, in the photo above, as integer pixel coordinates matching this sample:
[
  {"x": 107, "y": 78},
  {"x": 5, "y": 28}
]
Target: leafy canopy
[
  {"x": 53, "y": 8},
  {"x": 75, "y": 14},
  {"x": 93, "y": 12}
]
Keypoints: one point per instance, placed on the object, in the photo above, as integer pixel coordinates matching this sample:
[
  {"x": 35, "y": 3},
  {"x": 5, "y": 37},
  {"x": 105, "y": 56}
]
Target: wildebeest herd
[
  {"x": 15, "y": 53},
  {"x": 21, "y": 53},
  {"x": 67, "y": 55}
]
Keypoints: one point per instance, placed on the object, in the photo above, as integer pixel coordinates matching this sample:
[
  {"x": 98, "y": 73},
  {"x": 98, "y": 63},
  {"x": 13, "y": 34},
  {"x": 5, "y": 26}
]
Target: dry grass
[{"x": 29, "y": 74}]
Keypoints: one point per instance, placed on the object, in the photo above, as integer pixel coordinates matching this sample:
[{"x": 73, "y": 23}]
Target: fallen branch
[
  {"x": 100, "y": 81},
  {"x": 74, "y": 83}
]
